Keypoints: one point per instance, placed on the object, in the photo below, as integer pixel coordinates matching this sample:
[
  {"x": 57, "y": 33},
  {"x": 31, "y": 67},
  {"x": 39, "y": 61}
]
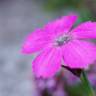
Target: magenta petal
[
  {"x": 85, "y": 30},
  {"x": 79, "y": 54},
  {"x": 36, "y": 41},
  {"x": 61, "y": 25},
  {"x": 47, "y": 63}
]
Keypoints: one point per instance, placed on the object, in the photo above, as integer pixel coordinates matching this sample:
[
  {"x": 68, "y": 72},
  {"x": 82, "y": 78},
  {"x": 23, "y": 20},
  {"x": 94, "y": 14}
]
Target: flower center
[{"x": 61, "y": 40}]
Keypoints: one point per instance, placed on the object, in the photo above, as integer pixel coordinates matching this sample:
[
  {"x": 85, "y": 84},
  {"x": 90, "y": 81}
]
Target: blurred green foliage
[
  {"x": 59, "y": 4},
  {"x": 66, "y": 6}
]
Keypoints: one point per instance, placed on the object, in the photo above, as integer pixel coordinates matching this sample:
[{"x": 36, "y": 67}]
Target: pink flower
[{"x": 58, "y": 44}]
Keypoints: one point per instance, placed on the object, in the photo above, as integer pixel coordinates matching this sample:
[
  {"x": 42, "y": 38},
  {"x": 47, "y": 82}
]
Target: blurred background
[{"x": 17, "y": 19}]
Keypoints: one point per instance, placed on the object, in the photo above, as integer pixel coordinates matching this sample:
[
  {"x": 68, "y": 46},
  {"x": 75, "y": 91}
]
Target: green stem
[{"x": 86, "y": 85}]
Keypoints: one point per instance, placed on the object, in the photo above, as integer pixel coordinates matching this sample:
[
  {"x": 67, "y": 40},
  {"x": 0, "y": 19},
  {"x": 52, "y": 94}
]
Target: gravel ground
[{"x": 17, "y": 19}]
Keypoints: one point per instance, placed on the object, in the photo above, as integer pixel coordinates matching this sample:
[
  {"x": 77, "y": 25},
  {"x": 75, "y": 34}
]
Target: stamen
[{"x": 63, "y": 40}]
